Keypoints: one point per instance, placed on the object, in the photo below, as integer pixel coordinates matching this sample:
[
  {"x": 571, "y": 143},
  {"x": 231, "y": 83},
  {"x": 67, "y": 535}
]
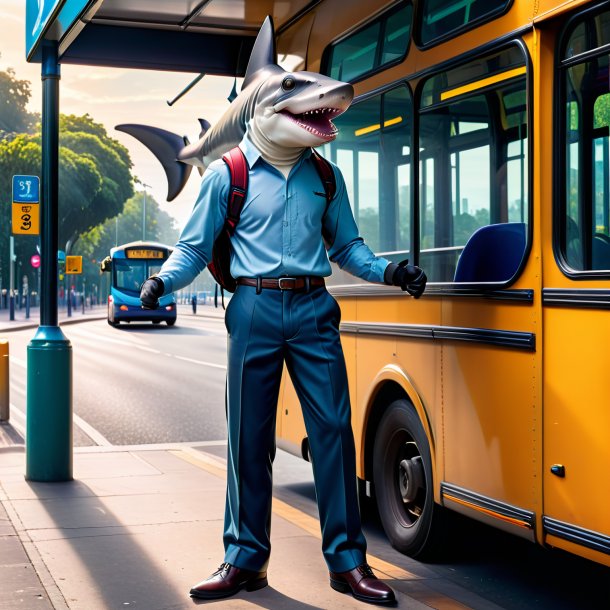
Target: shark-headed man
[{"x": 282, "y": 313}]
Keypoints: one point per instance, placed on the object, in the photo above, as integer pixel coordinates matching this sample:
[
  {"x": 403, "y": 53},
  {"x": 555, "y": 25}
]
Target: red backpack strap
[
  {"x": 326, "y": 173},
  {"x": 238, "y": 171}
]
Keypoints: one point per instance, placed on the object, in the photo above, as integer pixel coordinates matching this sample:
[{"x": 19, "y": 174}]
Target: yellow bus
[{"x": 478, "y": 147}]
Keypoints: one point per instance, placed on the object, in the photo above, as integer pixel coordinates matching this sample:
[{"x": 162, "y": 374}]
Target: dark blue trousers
[{"x": 301, "y": 329}]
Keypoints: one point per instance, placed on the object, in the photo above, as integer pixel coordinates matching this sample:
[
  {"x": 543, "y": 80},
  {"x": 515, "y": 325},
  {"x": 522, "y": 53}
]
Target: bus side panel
[
  {"x": 417, "y": 358},
  {"x": 577, "y": 417},
  {"x": 491, "y": 411}
]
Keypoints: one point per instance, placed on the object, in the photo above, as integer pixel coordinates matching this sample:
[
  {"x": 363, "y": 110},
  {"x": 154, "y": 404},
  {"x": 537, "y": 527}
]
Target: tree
[
  {"x": 80, "y": 212},
  {"x": 14, "y": 97}
]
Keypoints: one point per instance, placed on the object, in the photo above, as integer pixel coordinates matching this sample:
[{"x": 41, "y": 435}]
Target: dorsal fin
[
  {"x": 263, "y": 53},
  {"x": 205, "y": 126}
]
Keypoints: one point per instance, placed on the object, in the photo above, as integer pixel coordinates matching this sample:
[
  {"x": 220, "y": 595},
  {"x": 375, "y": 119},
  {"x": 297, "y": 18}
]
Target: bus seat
[
  {"x": 600, "y": 251},
  {"x": 493, "y": 253}
]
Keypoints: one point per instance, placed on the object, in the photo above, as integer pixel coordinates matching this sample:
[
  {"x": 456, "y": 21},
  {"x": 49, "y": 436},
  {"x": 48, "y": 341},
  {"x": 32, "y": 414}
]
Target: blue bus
[{"x": 129, "y": 265}]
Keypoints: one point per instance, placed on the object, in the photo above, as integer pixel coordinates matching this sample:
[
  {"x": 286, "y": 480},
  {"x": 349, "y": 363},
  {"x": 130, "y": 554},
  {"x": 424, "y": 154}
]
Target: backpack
[{"x": 238, "y": 171}]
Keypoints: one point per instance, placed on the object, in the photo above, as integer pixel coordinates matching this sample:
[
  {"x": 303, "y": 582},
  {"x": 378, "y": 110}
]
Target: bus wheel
[{"x": 402, "y": 475}]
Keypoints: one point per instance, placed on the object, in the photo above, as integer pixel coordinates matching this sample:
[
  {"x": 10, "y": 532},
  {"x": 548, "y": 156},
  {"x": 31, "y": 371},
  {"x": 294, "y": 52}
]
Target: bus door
[
  {"x": 474, "y": 219},
  {"x": 576, "y": 296}
]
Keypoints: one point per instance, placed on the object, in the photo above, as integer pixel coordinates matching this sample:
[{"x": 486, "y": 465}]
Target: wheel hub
[{"x": 410, "y": 478}]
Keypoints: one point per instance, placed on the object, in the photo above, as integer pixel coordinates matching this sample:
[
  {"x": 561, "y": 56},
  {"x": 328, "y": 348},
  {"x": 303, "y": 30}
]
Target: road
[
  {"x": 140, "y": 384},
  {"x": 144, "y": 384}
]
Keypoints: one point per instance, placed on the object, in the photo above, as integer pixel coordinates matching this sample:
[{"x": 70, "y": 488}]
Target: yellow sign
[
  {"x": 144, "y": 253},
  {"x": 26, "y": 219},
  {"x": 74, "y": 265}
]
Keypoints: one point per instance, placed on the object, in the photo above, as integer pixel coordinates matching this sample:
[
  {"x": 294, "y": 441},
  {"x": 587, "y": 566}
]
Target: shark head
[
  {"x": 296, "y": 109},
  {"x": 290, "y": 110}
]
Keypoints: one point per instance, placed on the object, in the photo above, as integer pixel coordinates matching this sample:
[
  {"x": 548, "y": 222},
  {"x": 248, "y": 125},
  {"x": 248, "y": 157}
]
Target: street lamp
[{"x": 144, "y": 211}]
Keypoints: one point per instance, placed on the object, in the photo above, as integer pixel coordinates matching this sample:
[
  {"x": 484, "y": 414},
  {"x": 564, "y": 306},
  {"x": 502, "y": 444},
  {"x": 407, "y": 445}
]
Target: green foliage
[
  {"x": 94, "y": 173},
  {"x": 601, "y": 111},
  {"x": 14, "y": 97}
]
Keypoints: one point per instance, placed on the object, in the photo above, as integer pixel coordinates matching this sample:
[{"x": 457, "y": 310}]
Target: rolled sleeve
[
  {"x": 345, "y": 246},
  {"x": 194, "y": 248}
]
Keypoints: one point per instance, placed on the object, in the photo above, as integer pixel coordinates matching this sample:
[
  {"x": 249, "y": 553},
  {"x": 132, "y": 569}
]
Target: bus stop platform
[{"x": 138, "y": 526}]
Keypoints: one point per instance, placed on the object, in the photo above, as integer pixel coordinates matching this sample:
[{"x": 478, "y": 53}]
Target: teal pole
[{"x": 49, "y": 360}]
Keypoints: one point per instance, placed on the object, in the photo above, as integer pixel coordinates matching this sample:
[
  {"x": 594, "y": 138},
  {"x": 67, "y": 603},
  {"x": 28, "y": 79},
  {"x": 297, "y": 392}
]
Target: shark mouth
[{"x": 318, "y": 121}]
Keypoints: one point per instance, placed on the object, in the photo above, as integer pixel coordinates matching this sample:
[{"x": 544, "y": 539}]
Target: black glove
[
  {"x": 150, "y": 292},
  {"x": 408, "y": 277}
]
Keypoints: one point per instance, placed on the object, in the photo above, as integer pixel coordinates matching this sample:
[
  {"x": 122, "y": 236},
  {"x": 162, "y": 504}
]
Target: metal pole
[
  {"x": 49, "y": 366},
  {"x": 144, "y": 217},
  {"x": 11, "y": 281},
  {"x": 5, "y": 397}
]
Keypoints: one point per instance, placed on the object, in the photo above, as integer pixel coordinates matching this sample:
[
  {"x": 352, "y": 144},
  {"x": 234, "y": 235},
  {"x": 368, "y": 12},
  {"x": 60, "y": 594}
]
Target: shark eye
[{"x": 288, "y": 84}]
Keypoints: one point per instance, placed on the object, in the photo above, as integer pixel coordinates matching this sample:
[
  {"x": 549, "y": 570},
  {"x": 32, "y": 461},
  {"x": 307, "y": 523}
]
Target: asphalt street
[{"x": 139, "y": 383}]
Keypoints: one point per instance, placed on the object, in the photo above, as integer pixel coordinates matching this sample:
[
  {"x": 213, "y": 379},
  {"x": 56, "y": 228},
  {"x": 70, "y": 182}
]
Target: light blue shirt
[{"x": 280, "y": 229}]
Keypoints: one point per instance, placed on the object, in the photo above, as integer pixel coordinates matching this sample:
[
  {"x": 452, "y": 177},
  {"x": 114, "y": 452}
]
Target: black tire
[
  {"x": 113, "y": 324},
  {"x": 171, "y": 322},
  {"x": 156, "y": 322},
  {"x": 402, "y": 476}
]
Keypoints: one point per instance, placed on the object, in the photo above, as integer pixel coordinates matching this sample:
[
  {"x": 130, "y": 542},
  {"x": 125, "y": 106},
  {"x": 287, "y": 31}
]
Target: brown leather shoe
[
  {"x": 227, "y": 581},
  {"x": 363, "y": 585}
]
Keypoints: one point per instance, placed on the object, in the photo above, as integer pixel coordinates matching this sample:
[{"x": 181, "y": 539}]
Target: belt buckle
[{"x": 286, "y": 279}]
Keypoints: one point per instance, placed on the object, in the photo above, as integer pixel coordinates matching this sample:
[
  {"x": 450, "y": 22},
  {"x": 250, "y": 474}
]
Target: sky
[{"x": 113, "y": 96}]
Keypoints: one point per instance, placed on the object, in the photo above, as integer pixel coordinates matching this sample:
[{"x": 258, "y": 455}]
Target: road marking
[
  {"x": 88, "y": 429},
  {"x": 291, "y": 514},
  {"x": 20, "y": 424},
  {"x": 144, "y": 348},
  {"x": 18, "y": 361},
  {"x": 202, "y": 363}
]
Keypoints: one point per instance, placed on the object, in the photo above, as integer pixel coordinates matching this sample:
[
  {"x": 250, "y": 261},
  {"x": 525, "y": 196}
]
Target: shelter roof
[{"x": 211, "y": 36}]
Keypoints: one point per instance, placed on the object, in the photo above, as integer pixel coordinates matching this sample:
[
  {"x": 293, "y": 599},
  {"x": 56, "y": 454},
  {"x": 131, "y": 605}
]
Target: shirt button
[{"x": 285, "y": 223}]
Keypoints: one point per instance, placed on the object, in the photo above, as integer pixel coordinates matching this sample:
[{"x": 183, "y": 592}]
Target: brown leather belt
[{"x": 282, "y": 283}]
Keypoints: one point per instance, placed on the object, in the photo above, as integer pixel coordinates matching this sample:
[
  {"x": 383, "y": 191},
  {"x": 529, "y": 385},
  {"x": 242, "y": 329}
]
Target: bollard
[
  {"x": 5, "y": 400},
  {"x": 49, "y": 407}
]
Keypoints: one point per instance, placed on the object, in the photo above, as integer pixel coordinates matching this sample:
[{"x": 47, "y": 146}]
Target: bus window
[
  {"x": 443, "y": 18},
  {"x": 585, "y": 200},
  {"x": 375, "y": 46},
  {"x": 373, "y": 151},
  {"x": 473, "y": 157}
]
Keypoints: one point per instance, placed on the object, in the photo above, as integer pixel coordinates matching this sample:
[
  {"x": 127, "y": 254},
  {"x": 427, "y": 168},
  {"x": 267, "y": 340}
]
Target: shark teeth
[{"x": 317, "y": 121}]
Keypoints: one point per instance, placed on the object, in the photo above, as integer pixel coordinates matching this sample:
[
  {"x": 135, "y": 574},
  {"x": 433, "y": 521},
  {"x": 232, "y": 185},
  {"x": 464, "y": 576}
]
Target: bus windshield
[{"x": 129, "y": 274}]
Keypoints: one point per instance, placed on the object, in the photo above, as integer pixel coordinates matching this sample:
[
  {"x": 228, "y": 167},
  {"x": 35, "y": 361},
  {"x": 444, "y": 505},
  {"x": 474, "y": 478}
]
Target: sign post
[
  {"x": 49, "y": 361},
  {"x": 25, "y": 221}
]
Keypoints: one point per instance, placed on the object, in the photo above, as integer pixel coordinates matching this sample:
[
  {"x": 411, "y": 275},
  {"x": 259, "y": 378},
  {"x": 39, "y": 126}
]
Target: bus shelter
[{"x": 206, "y": 36}]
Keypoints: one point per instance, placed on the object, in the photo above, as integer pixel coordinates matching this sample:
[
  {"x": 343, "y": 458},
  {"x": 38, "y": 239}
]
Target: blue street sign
[{"x": 26, "y": 189}]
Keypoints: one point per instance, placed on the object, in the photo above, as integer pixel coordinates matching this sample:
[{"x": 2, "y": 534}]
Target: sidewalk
[
  {"x": 21, "y": 322},
  {"x": 139, "y": 526},
  {"x": 97, "y": 312}
]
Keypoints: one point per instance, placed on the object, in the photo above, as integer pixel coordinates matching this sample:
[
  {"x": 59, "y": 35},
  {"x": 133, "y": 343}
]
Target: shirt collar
[{"x": 252, "y": 153}]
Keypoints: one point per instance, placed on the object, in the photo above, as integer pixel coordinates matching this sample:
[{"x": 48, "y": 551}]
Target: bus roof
[{"x": 140, "y": 245}]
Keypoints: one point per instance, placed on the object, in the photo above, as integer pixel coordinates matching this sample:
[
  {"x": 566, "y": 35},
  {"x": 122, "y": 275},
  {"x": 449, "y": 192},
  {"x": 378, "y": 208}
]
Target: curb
[{"x": 29, "y": 325}]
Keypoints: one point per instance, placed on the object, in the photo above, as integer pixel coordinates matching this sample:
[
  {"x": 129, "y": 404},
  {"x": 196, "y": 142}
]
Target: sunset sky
[{"x": 112, "y": 96}]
